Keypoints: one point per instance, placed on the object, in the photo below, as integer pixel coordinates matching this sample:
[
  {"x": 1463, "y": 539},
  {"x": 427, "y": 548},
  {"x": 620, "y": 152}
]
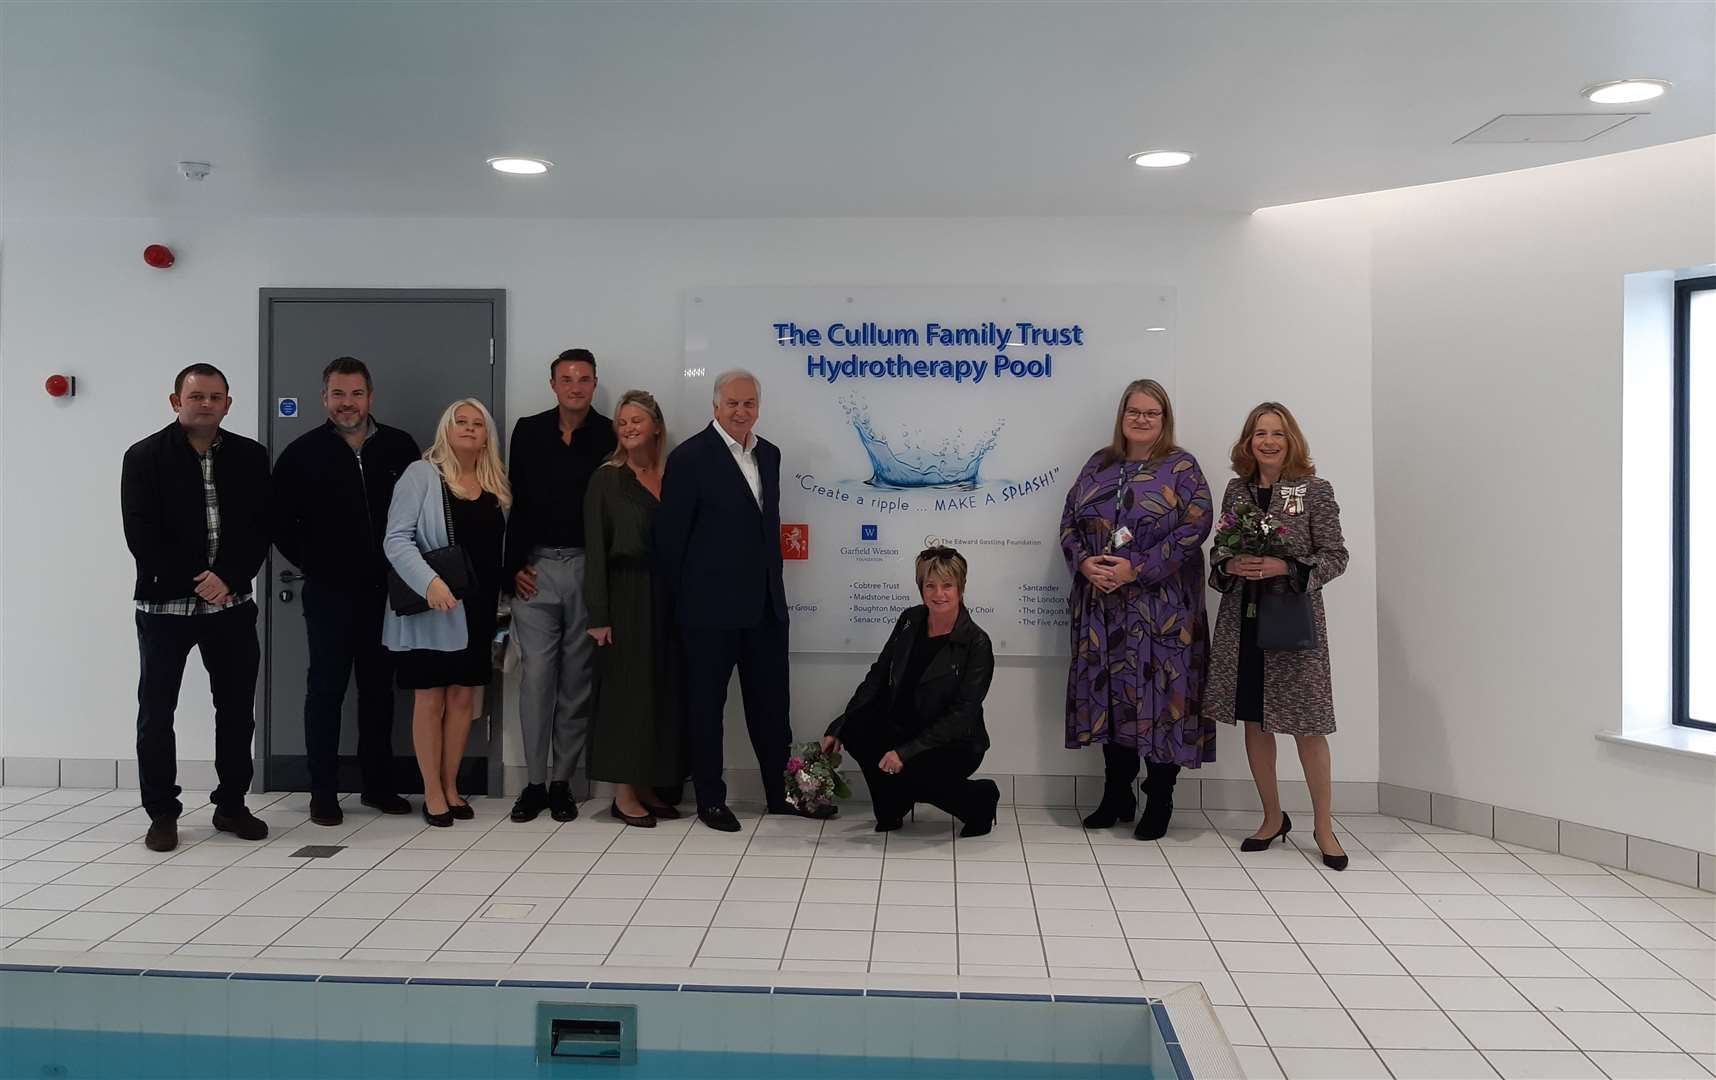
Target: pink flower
[
  {"x": 807, "y": 783},
  {"x": 795, "y": 764},
  {"x": 1280, "y": 530}
]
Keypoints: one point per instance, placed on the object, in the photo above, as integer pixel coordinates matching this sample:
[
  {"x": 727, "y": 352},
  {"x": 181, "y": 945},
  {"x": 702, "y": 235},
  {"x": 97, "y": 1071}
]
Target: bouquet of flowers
[
  {"x": 1249, "y": 530},
  {"x": 813, "y": 778}
]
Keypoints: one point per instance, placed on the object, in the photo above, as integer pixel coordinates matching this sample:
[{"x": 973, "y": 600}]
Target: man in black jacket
[
  {"x": 332, "y": 488},
  {"x": 194, "y": 499},
  {"x": 718, "y": 539}
]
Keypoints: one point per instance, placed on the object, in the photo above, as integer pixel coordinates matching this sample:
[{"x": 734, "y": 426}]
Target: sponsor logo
[
  {"x": 795, "y": 541},
  {"x": 868, "y": 532}
]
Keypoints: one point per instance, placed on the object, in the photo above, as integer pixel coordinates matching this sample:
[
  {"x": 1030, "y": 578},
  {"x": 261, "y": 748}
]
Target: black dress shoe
[
  {"x": 532, "y": 801},
  {"x": 325, "y": 810},
  {"x": 718, "y": 818},
  {"x": 461, "y": 811},
  {"x": 980, "y": 826},
  {"x": 1260, "y": 843},
  {"x": 163, "y": 834},
  {"x": 241, "y": 823},
  {"x": 443, "y": 820},
  {"x": 646, "y": 820},
  {"x": 560, "y": 804},
  {"x": 386, "y": 803}
]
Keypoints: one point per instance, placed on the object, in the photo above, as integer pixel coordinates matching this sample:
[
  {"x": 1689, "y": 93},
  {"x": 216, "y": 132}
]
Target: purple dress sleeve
[
  {"x": 1072, "y": 542},
  {"x": 1180, "y": 501}
]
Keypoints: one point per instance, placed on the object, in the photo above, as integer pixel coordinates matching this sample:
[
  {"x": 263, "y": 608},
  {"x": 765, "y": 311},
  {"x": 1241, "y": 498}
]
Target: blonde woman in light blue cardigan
[{"x": 442, "y": 654}]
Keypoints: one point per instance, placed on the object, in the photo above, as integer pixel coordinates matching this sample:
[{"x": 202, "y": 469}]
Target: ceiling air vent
[{"x": 1547, "y": 127}]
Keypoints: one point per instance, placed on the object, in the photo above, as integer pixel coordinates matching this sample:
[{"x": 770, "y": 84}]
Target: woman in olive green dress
[{"x": 635, "y": 734}]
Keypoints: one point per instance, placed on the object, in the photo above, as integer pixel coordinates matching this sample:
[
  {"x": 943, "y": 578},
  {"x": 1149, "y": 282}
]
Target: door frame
[{"x": 493, "y": 695}]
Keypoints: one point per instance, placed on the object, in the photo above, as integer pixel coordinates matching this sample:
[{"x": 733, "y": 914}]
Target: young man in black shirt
[
  {"x": 193, "y": 497},
  {"x": 553, "y": 455},
  {"x": 332, "y": 488}
]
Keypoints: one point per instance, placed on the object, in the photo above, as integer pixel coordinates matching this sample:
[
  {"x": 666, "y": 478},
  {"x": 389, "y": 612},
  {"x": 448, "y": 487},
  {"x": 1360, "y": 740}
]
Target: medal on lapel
[{"x": 1293, "y": 499}]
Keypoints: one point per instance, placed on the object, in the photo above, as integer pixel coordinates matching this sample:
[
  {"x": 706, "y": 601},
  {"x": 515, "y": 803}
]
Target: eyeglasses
[{"x": 1135, "y": 415}]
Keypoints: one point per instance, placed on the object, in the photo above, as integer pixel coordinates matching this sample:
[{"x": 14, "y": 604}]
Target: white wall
[
  {"x": 1275, "y": 305},
  {"x": 1497, "y": 312}
]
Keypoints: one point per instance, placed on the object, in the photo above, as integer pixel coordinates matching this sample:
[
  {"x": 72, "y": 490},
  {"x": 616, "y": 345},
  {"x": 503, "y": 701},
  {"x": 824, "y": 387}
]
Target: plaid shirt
[{"x": 193, "y": 604}]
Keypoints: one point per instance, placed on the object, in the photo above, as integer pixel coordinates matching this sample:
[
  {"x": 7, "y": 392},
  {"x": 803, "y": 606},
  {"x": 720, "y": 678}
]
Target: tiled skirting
[
  {"x": 1636, "y": 853},
  {"x": 1683, "y": 866},
  {"x": 744, "y": 785}
]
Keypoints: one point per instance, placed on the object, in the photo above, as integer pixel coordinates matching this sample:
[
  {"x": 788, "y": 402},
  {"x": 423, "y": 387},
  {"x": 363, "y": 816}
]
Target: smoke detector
[{"x": 194, "y": 170}]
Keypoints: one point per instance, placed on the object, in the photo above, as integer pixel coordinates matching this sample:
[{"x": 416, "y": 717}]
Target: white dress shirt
[{"x": 746, "y": 456}]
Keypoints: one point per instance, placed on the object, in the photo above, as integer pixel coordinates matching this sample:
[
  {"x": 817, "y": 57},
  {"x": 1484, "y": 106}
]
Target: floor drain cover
[
  {"x": 509, "y": 911},
  {"x": 318, "y": 851}
]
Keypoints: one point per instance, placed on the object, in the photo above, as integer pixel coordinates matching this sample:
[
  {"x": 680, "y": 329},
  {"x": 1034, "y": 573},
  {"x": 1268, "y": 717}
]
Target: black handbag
[
  {"x": 452, "y": 564},
  {"x": 1285, "y": 621}
]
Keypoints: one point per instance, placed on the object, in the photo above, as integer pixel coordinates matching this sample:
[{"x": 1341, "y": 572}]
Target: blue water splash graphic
[{"x": 952, "y": 464}]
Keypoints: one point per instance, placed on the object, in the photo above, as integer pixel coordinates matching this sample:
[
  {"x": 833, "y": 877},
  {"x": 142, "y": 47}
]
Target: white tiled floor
[{"x": 1437, "y": 954}]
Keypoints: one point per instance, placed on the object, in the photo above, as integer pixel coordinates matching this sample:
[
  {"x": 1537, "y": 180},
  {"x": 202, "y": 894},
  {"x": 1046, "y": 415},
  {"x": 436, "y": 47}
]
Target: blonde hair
[
  {"x": 1164, "y": 444},
  {"x": 644, "y": 400},
  {"x": 942, "y": 562},
  {"x": 491, "y": 475},
  {"x": 1298, "y": 461}
]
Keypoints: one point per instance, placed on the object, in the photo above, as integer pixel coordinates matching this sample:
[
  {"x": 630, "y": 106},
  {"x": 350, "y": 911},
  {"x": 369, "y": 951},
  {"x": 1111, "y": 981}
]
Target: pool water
[{"x": 33, "y": 1054}]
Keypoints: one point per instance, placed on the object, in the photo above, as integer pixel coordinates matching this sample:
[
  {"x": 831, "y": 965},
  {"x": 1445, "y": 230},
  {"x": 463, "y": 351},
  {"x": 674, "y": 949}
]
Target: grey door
[{"x": 425, "y": 349}]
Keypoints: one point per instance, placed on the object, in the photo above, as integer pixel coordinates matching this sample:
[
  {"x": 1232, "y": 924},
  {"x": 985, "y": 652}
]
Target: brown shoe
[{"x": 163, "y": 834}]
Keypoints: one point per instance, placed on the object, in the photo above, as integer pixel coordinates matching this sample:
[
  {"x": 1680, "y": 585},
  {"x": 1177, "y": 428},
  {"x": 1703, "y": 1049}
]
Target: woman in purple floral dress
[{"x": 1132, "y": 533}]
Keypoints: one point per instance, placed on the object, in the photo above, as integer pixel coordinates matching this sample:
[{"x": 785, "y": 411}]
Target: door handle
[{"x": 287, "y": 577}]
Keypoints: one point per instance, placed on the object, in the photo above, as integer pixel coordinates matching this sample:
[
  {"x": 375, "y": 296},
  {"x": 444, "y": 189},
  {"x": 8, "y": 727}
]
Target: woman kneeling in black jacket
[{"x": 915, "y": 724}]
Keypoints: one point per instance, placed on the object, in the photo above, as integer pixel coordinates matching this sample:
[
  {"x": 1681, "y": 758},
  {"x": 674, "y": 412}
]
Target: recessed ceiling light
[
  {"x": 1154, "y": 329},
  {"x": 1625, "y": 91},
  {"x": 1159, "y": 159},
  {"x": 520, "y": 166}
]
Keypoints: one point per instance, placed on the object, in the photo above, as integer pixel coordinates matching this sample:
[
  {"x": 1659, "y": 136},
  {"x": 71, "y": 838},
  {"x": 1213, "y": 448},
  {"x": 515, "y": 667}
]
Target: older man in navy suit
[{"x": 718, "y": 538}]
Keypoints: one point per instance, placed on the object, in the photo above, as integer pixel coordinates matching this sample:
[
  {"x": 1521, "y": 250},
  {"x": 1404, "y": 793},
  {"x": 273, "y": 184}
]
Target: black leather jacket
[{"x": 950, "y": 694}]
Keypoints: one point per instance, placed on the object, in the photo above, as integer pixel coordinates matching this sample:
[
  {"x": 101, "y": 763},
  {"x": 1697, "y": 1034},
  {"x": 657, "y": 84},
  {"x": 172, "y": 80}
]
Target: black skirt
[
  {"x": 479, "y": 526},
  {"x": 427, "y": 669}
]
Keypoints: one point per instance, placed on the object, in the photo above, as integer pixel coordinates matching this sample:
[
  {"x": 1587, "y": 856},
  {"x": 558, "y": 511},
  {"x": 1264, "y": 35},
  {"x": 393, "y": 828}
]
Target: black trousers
[
  {"x": 760, "y": 653},
  {"x": 940, "y": 777},
  {"x": 344, "y": 630},
  {"x": 231, "y": 656}
]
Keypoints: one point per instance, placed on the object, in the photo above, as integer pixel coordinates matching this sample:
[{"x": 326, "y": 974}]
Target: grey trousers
[{"x": 555, "y": 657}]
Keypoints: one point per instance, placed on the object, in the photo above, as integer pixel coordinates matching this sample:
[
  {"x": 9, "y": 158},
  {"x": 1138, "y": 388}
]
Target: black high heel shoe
[
  {"x": 1333, "y": 862},
  {"x": 1255, "y": 843},
  {"x": 442, "y": 820}
]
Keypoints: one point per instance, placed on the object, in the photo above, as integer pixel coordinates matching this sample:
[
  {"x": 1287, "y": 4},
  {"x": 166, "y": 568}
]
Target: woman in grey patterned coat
[{"x": 1277, "y": 691}]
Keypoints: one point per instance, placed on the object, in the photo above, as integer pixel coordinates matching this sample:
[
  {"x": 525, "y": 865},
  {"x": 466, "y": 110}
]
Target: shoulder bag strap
[{"x": 447, "y": 511}]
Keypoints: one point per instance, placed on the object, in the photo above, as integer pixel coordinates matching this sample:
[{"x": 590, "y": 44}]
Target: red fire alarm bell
[
  {"x": 160, "y": 256},
  {"x": 61, "y": 386}
]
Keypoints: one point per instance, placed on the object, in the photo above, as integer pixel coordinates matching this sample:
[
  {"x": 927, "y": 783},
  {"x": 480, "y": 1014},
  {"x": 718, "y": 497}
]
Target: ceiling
[{"x": 765, "y": 109}]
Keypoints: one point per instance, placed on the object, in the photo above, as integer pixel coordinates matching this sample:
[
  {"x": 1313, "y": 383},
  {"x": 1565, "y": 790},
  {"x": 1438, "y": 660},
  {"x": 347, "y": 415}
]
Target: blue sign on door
[{"x": 288, "y": 407}]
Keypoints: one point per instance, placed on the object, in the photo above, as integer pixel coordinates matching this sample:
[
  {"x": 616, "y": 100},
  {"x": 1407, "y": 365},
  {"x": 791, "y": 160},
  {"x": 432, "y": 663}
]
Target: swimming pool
[{"x": 146, "y": 1023}]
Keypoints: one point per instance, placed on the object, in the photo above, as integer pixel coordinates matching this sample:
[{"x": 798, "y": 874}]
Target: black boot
[
  {"x": 1119, "y": 769},
  {"x": 1159, "y": 800}
]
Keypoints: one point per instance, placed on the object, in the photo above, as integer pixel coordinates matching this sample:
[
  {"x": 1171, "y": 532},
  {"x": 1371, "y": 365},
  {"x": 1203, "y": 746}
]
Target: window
[{"x": 1695, "y": 502}]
